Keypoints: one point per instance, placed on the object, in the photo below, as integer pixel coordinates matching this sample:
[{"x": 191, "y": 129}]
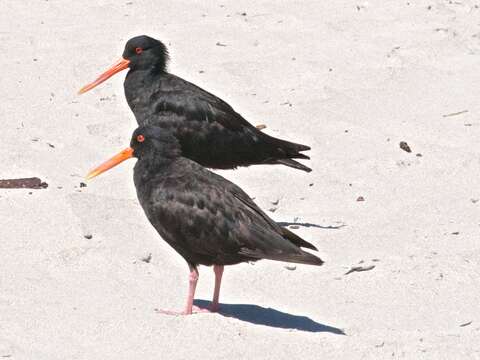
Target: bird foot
[
  {"x": 172, "y": 312},
  {"x": 198, "y": 309},
  {"x": 195, "y": 310},
  {"x": 214, "y": 308}
]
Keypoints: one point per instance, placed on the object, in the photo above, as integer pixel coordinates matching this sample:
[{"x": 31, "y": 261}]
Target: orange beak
[
  {"x": 114, "y": 161},
  {"x": 117, "y": 67}
]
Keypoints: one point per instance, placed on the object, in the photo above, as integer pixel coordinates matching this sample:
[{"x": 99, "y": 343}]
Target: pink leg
[
  {"x": 218, "y": 269},
  {"x": 192, "y": 280}
]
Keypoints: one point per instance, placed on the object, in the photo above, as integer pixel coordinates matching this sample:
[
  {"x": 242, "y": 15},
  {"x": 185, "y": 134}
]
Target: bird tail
[
  {"x": 289, "y": 149},
  {"x": 289, "y": 251},
  {"x": 304, "y": 258},
  {"x": 294, "y": 164},
  {"x": 301, "y": 257},
  {"x": 296, "y": 240},
  {"x": 285, "y": 151}
]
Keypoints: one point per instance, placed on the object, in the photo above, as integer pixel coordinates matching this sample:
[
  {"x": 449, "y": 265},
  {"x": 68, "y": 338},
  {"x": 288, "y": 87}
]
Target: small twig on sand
[
  {"x": 466, "y": 324},
  {"x": 359, "y": 268},
  {"x": 25, "y": 183},
  {"x": 455, "y": 113}
]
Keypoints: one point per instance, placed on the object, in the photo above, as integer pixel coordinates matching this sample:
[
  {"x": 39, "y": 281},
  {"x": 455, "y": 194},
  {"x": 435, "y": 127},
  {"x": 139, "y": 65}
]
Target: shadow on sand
[{"x": 270, "y": 317}]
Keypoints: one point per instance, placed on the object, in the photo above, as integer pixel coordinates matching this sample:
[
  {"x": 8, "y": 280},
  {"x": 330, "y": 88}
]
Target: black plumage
[
  {"x": 210, "y": 131},
  {"x": 204, "y": 217},
  {"x": 207, "y": 219}
]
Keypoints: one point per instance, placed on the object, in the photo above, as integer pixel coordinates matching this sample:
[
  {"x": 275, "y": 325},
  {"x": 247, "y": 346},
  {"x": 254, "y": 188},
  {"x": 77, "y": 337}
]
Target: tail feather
[
  {"x": 285, "y": 151},
  {"x": 287, "y": 249},
  {"x": 297, "y": 240},
  {"x": 303, "y": 258},
  {"x": 290, "y": 149},
  {"x": 298, "y": 257},
  {"x": 300, "y": 156},
  {"x": 293, "y": 164},
  {"x": 301, "y": 147}
]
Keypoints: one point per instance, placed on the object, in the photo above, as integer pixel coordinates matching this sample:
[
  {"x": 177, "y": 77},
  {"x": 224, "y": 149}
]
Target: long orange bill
[
  {"x": 114, "y": 161},
  {"x": 117, "y": 67}
]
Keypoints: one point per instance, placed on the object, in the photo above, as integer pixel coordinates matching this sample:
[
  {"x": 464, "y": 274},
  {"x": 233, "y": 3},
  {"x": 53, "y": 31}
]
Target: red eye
[
  {"x": 138, "y": 50},
  {"x": 140, "y": 138}
]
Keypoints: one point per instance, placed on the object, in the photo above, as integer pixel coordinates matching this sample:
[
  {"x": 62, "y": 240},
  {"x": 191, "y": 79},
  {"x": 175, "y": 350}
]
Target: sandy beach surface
[{"x": 351, "y": 79}]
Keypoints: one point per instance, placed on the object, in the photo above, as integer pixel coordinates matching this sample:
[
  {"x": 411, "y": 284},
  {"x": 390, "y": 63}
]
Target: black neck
[{"x": 150, "y": 167}]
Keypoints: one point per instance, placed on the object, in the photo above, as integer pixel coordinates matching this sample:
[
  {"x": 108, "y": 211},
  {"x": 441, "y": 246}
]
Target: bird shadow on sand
[
  {"x": 308, "y": 225},
  {"x": 270, "y": 317}
]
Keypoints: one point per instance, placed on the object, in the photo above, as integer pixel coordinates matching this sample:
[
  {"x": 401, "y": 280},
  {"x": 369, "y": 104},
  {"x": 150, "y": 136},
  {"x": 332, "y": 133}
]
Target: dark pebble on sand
[{"x": 404, "y": 146}]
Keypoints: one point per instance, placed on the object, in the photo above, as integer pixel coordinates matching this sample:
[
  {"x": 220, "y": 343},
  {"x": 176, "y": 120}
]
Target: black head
[
  {"x": 152, "y": 144},
  {"x": 141, "y": 52},
  {"x": 145, "y": 52},
  {"x": 152, "y": 141}
]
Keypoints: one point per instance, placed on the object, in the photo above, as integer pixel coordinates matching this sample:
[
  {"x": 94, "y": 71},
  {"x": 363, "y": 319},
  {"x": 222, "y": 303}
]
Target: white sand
[{"x": 396, "y": 68}]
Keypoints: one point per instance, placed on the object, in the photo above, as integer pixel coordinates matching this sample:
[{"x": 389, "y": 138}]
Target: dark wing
[
  {"x": 179, "y": 96},
  {"x": 200, "y": 117},
  {"x": 284, "y": 232}
]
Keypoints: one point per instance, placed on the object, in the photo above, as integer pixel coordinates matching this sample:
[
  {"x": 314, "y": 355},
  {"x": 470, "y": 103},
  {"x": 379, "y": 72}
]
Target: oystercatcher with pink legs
[{"x": 207, "y": 219}]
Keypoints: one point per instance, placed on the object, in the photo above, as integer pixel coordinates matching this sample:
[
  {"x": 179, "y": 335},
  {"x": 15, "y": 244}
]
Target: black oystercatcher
[
  {"x": 207, "y": 219},
  {"x": 209, "y": 130}
]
